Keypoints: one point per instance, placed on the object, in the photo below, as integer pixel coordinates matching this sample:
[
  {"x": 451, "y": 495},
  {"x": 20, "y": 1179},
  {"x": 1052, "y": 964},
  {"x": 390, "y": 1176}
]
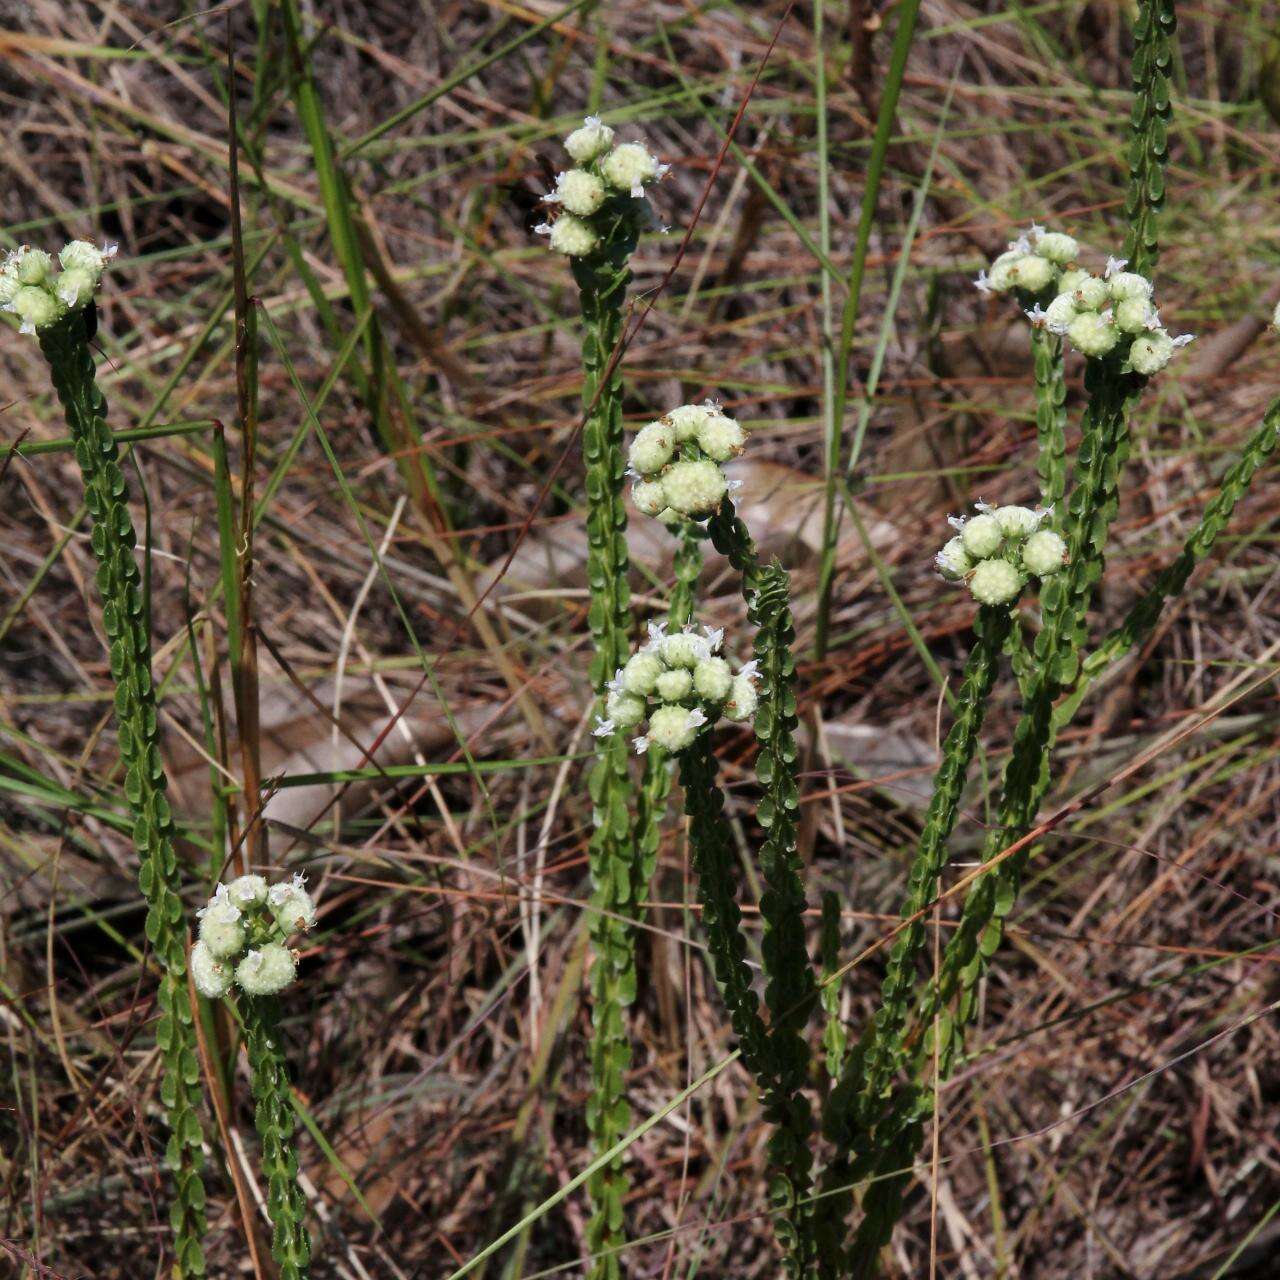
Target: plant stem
[
  {"x": 1051, "y": 416},
  {"x": 614, "y": 857},
  {"x": 856, "y": 1101},
  {"x": 1149, "y": 138},
  {"x": 274, "y": 1118},
  {"x": 66, "y": 347}
]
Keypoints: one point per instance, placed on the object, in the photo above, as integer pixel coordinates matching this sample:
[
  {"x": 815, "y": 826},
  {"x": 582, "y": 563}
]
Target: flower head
[
  {"x": 589, "y": 142},
  {"x": 266, "y": 970}
]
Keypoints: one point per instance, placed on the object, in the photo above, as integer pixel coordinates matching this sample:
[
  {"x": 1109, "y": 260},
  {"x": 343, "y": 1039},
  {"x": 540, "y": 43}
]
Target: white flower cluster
[
  {"x": 243, "y": 932},
  {"x": 1032, "y": 264},
  {"x": 996, "y": 551},
  {"x": 677, "y": 462},
  {"x": 1110, "y": 314},
  {"x": 604, "y": 175},
  {"x": 39, "y": 294},
  {"x": 679, "y": 682}
]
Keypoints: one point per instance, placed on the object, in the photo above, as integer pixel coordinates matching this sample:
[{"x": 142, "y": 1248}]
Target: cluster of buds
[
  {"x": 996, "y": 551},
  {"x": 244, "y": 929},
  {"x": 1033, "y": 264},
  {"x": 678, "y": 682},
  {"x": 1110, "y": 314},
  {"x": 605, "y": 182},
  {"x": 678, "y": 460},
  {"x": 39, "y": 294}
]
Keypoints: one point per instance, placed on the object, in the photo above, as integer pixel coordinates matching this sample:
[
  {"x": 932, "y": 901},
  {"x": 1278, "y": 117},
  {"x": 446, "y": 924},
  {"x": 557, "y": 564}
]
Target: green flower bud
[
  {"x": 713, "y": 679},
  {"x": 630, "y": 167},
  {"x": 721, "y": 438},
  {"x": 80, "y": 255},
  {"x": 1072, "y": 280},
  {"x": 1092, "y": 334},
  {"x": 266, "y": 970},
  {"x": 1017, "y": 522},
  {"x": 31, "y": 266},
  {"x": 248, "y": 891},
  {"x": 578, "y": 192},
  {"x": 211, "y": 976},
  {"x": 652, "y": 448},
  {"x": 1125, "y": 285},
  {"x": 743, "y": 699},
  {"x": 1044, "y": 553},
  {"x": 1151, "y": 352},
  {"x": 686, "y": 420},
  {"x": 694, "y": 488},
  {"x": 982, "y": 537},
  {"x": 1032, "y": 273},
  {"x": 648, "y": 497},
  {"x": 590, "y": 141},
  {"x": 681, "y": 649},
  {"x": 674, "y": 728},
  {"x": 625, "y": 710},
  {"x": 75, "y": 287},
  {"x": 674, "y": 685},
  {"x": 953, "y": 562},
  {"x": 640, "y": 675},
  {"x": 1057, "y": 247},
  {"x": 35, "y": 307},
  {"x": 9, "y": 285},
  {"x": 221, "y": 926},
  {"x": 292, "y": 906},
  {"x": 1134, "y": 315},
  {"x": 995, "y": 582},
  {"x": 1059, "y": 314},
  {"x": 572, "y": 237},
  {"x": 1091, "y": 294}
]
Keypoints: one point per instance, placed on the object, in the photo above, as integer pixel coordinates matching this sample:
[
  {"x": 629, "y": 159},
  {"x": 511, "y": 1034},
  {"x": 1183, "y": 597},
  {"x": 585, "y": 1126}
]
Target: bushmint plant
[
  {"x": 243, "y": 946},
  {"x": 55, "y": 302},
  {"x": 601, "y": 211}
]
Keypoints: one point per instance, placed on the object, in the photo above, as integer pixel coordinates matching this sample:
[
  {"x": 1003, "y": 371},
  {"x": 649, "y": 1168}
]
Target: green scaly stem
[
  {"x": 1064, "y": 600},
  {"x": 790, "y": 989},
  {"x": 835, "y": 1038},
  {"x": 857, "y": 1100},
  {"x": 1153, "y": 35},
  {"x": 274, "y": 1119},
  {"x": 602, "y": 284},
  {"x": 125, "y": 621},
  {"x": 1051, "y": 416}
]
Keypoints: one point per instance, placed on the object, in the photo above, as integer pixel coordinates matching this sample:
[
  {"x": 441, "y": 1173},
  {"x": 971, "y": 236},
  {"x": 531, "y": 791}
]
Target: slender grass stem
[{"x": 124, "y": 617}]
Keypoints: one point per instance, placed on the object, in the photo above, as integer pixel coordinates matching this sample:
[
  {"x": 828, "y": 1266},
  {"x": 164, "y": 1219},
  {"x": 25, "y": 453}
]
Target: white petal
[
  {"x": 603, "y": 728},
  {"x": 641, "y": 744},
  {"x": 1184, "y": 339}
]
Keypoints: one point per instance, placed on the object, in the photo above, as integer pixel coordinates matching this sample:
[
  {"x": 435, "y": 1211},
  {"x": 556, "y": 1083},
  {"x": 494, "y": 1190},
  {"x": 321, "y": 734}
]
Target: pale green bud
[
  {"x": 1059, "y": 314},
  {"x": 248, "y": 891},
  {"x": 743, "y": 699},
  {"x": 694, "y": 488},
  {"x": 1151, "y": 352},
  {"x": 1044, "y": 553},
  {"x": 982, "y": 537},
  {"x": 648, "y": 497},
  {"x": 1091, "y": 294},
  {"x": 572, "y": 237},
  {"x": 995, "y": 582},
  {"x": 211, "y": 976},
  {"x": 579, "y": 192},
  {"x": 625, "y": 710},
  {"x": 652, "y": 448},
  {"x": 1092, "y": 334},
  {"x": 1017, "y": 522},
  {"x": 721, "y": 438},
  {"x": 953, "y": 562},
  {"x": 80, "y": 255},
  {"x": 221, "y": 926},
  {"x": 30, "y": 266},
  {"x": 75, "y": 287},
  {"x": 686, "y": 420},
  {"x": 35, "y": 307},
  {"x": 630, "y": 167},
  {"x": 1072, "y": 280},
  {"x": 1134, "y": 315},
  {"x": 1002, "y": 276},
  {"x": 674, "y": 728},
  {"x": 1032, "y": 273},
  {"x": 674, "y": 685},
  {"x": 1129, "y": 285},
  {"x": 266, "y": 970},
  {"x": 292, "y": 906},
  {"x": 1058, "y": 247},
  {"x": 713, "y": 679},
  {"x": 641, "y": 673},
  {"x": 590, "y": 141},
  {"x": 682, "y": 649}
]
